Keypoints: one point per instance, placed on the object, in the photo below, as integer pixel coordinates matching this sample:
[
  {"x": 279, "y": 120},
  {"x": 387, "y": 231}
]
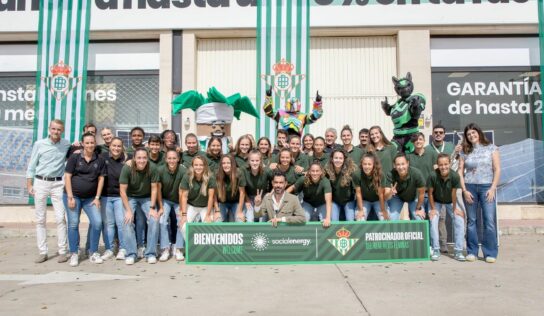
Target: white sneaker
[
  {"x": 121, "y": 254},
  {"x": 141, "y": 252},
  {"x": 179, "y": 255},
  {"x": 152, "y": 259},
  {"x": 129, "y": 260},
  {"x": 107, "y": 255},
  {"x": 95, "y": 258},
  {"x": 165, "y": 255},
  {"x": 74, "y": 260}
]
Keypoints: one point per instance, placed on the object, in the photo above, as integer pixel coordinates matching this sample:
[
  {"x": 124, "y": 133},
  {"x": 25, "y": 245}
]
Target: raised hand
[
  {"x": 259, "y": 198},
  {"x": 317, "y": 97},
  {"x": 269, "y": 92}
]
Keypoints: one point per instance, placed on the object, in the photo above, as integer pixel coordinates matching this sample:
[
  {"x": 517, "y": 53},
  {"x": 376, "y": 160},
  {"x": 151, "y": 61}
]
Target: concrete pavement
[{"x": 512, "y": 286}]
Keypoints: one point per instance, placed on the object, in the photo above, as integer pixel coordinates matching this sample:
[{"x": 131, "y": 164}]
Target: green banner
[{"x": 260, "y": 243}]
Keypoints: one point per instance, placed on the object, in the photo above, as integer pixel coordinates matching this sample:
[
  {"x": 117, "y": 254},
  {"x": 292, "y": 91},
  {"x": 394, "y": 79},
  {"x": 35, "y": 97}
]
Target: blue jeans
[
  {"x": 95, "y": 221},
  {"x": 395, "y": 206},
  {"x": 373, "y": 206},
  {"x": 142, "y": 205},
  {"x": 180, "y": 238},
  {"x": 263, "y": 218},
  {"x": 348, "y": 209},
  {"x": 458, "y": 228},
  {"x": 164, "y": 222},
  {"x": 489, "y": 215},
  {"x": 113, "y": 216},
  {"x": 321, "y": 211},
  {"x": 228, "y": 212}
]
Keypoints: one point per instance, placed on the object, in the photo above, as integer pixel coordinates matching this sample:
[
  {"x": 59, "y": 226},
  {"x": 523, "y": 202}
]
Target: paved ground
[{"x": 512, "y": 286}]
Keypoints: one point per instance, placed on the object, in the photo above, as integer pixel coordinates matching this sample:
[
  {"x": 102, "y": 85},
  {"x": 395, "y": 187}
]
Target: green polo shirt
[
  {"x": 170, "y": 182},
  {"x": 442, "y": 187},
  {"x": 314, "y": 194},
  {"x": 323, "y": 160},
  {"x": 342, "y": 195},
  {"x": 369, "y": 192},
  {"x": 386, "y": 156},
  {"x": 356, "y": 154},
  {"x": 257, "y": 182},
  {"x": 228, "y": 188},
  {"x": 194, "y": 197},
  {"x": 407, "y": 188},
  {"x": 102, "y": 148},
  {"x": 214, "y": 163},
  {"x": 241, "y": 162},
  {"x": 446, "y": 148},
  {"x": 290, "y": 175},
  {"x": 187, "y": 158},
  {"x": 139, "y": 183},
  {"x": 159, "y": 161},
  {"x": 424, "y": 162}
]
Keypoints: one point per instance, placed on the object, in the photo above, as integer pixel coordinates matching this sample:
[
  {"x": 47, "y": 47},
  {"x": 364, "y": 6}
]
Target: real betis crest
[
  {"x": 343, "y": 243},
  {"x": 283, "y": 81},
  {"x": 60, "y": 83}
]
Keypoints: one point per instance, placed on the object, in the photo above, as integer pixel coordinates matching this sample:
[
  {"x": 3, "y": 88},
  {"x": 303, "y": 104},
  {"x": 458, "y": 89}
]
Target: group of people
[{"x": 141, "y": 197}]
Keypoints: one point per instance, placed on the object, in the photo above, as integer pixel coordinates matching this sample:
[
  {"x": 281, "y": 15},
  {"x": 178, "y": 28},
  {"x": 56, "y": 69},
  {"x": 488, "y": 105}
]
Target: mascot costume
[
  {"x": 290, "y": 118},
  {"x": 214, "y": 114},
  {"x": 405, "y": 113}
]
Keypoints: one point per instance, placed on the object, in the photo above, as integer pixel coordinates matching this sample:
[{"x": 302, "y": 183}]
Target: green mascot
[{"x": 405, "y": 113}]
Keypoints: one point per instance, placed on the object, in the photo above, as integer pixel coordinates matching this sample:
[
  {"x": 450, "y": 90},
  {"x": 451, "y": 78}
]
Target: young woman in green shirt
[
  {"x": 197, "y": 190},
  {"x": 242, "y": 149},
  {"x": 384, "y": 149},
  {"x": 286, "y": 165},
  {"x": 319, "y": 151},
  {"x": 258, "y": 179},
  {"x": 374, "y": 188},
  {"x": 231, "y": 191},
  {"x": 408, "y": 186},
  {"x": 214, "y": 152},
  {"x": 264, "y": 146},
  {"x": 317, "y": 192}
]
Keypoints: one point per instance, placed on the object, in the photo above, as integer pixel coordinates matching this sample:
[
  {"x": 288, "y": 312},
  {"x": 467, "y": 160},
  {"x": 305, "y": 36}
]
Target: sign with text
[{"x": 260, "y": 243}]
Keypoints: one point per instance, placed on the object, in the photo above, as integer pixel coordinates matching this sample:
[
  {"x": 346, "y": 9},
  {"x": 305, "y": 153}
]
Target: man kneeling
[{"x": 279, "y": 206}]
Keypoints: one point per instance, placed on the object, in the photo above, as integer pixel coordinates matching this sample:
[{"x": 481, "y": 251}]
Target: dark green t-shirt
[
  {"x": 228, "y": 188},
  {"x": 344, "y": 194},
  {"x": 139, "y": 184},
  {"x": 442, "y": 187},
  {"x": 159, "y": 161},
  {"x": 170, "y": 182},
  {"x": 194, "y": 197},
  {"x": 102, "y": 148},
  {"x": 386, "y": 156},
  {"x": 290, "y": 175},
  {"x": 314, "y": 194},
  {"x": 356, "y": 154},
  {"x": 446, "y": 148},
  {"x": 369, "y": 192},
  {"x": 241, "y": 162},
  {"x": 407, "y": 188},
  {"x": 214, "y": 163},
  {"x": 187, "y": 158},
  {"x": 323, "y": 160},
  {"x": 258, "y": 182},
  {"x": 423, "y": 163}
]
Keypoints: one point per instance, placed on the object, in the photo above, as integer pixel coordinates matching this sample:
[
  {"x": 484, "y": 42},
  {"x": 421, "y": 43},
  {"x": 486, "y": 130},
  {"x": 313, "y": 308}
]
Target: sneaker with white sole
[
  {"x": 436, "y": 255},
  {"x": 121, "y": 254},
  {"x": 165, "y": 255},
  {"x": 95, "y": 258},
  {"x": 459, "y": 256},
  {"x": 152, "y": 259},
  {"x": 129, "y": 260},
  {"x": 179, "y": 255},
  {"x": 74, "y": 260},
  {"x": 490, "y": 259},
  {"x": 141, "y": 252},
  {"x": 108, "y": 254},
  {"x": 471, "y": 258}
]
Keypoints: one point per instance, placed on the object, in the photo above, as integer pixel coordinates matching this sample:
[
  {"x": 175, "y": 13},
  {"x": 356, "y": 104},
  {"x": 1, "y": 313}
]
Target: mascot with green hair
[{"x": 405, "y": 113}]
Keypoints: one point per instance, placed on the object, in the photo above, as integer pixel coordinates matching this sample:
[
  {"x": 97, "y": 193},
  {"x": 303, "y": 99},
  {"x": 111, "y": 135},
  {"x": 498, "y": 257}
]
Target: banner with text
[{"x": 260, "y": 243}]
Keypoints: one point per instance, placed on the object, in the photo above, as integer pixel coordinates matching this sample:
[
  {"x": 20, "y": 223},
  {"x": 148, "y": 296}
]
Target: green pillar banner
[{"x": 260, "y": 243}]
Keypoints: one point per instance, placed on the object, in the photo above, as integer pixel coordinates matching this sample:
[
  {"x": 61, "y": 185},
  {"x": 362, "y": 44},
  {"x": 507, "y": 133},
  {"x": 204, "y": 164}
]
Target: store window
[{"x": 507, "y": 102}]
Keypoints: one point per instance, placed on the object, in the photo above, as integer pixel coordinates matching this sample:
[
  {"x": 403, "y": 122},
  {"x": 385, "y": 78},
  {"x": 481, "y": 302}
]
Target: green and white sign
[{"x": 260, "y": 243}]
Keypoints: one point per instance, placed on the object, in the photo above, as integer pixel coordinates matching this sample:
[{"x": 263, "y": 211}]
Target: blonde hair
[{"x": 205, "y": 175}]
